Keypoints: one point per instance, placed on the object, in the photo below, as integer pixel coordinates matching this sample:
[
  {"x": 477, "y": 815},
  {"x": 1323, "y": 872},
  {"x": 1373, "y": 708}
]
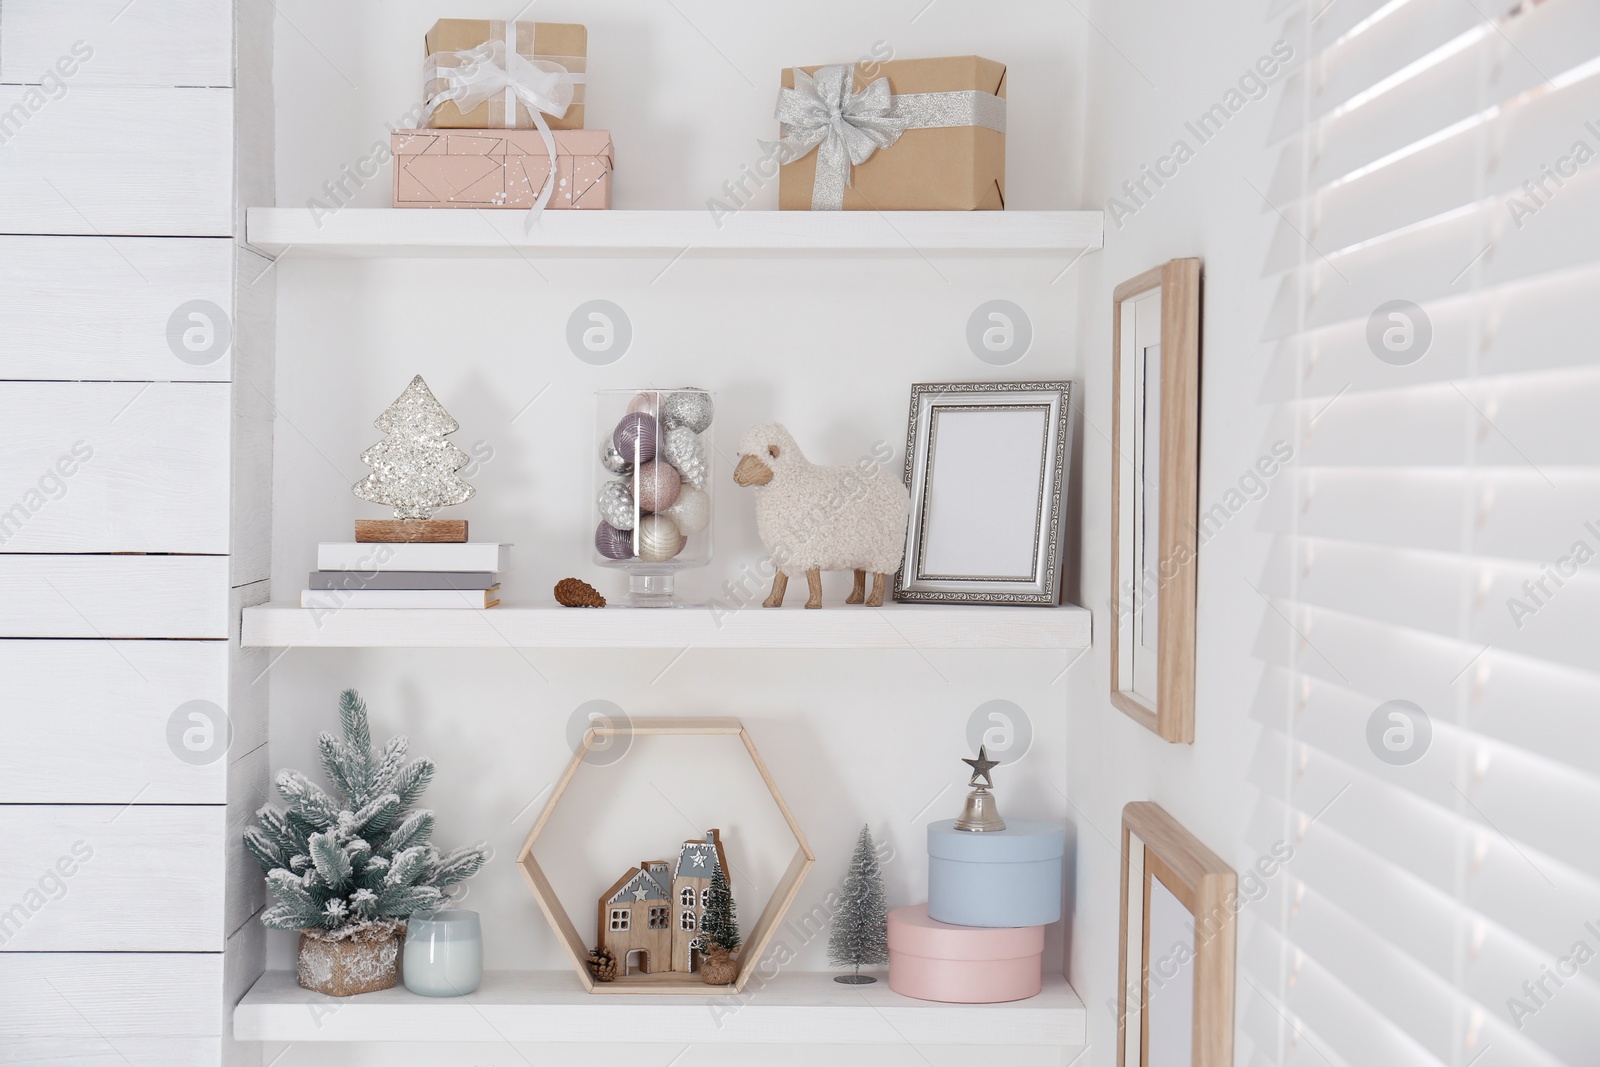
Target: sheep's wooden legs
[
  {"x": 814, "y": 580},
  {"x": 780, "y": 585},
  {"x": 860, "y": 591},
  {"x": 878, "y": 582}
]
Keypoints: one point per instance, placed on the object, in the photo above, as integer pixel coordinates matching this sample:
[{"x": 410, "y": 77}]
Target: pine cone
[
  {"x": 577, "y": 593},
  {"x": 603, "y": 965}
]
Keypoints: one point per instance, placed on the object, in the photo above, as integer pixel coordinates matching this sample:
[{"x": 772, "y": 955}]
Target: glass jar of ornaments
[{"x": 653, "y": 487}]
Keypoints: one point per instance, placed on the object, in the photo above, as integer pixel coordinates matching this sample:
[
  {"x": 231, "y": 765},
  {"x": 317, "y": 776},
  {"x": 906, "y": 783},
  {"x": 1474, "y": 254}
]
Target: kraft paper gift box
[
  {"x": 500, "y": 168},
  {"x": 950, "y": 157},
  {"x": 563, "y": 43}
]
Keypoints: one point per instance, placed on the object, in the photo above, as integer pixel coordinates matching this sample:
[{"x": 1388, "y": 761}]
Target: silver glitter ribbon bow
[
  {"x": 847, "y": 128},
  {"x": 494, "y": 69}
]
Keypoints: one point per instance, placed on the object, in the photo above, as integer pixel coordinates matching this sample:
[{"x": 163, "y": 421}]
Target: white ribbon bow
[
  {"x": 493, "y": 69},
  {"x": 845, "y": 128}
]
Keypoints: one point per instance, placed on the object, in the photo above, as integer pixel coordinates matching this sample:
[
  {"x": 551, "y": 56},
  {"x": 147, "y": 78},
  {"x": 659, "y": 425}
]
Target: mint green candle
[{"x": 444, "y": 953}]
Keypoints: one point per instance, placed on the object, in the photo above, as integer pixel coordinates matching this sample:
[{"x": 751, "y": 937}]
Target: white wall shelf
[
  {"x": 892, "y": 626},
  {"x": 370, "y": 232},
  {"x": 550, "y": 1006}
]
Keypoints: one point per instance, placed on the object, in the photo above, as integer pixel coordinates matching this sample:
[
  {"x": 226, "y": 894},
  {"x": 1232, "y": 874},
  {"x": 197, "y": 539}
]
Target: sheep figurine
[{"x": 814, "y": 519}]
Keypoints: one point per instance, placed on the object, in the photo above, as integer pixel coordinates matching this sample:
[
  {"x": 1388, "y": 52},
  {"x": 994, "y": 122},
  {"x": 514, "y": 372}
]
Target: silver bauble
[
  {"x": 687, "y": 407},
  {"x": 613, "y": 460},
  {"x": 692, "y": 512},
  {"x": 659, "y": 539},
  {"x": 616, "y": 504},
  {"x": 683, "y": 448}
]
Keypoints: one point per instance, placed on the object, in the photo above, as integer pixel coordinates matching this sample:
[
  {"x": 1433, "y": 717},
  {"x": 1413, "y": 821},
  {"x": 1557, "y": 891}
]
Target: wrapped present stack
[
  {"x": 905, "y": 135},
  {"x": 993, "y": 887},
  {"x": 503, "y": 121}
]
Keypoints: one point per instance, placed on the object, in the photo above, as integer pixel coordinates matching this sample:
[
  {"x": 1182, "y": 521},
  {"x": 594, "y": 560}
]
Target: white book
[
  {"x": 370, "y": 557},
  {"x": 337, "y": 599}
]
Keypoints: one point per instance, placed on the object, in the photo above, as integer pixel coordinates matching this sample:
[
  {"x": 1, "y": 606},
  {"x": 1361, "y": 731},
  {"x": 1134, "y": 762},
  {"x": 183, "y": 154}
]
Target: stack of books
[{"x": 364, "y": 574}]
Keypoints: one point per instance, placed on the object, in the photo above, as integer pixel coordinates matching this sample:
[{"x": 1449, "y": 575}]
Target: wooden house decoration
[
  {"x": 650, "y": 918},
  {"x": 689, "y": 732}
]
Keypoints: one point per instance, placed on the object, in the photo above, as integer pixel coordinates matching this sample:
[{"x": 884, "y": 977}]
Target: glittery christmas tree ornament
[
  {"x": 616, "y": 504},
  {"x": 692, "y": 512},
  {"x": 659, "y": 485},
  {"x": 414, "y": 467},
  {"x": 687, "y": 407},
  {"x": 683, "y": 448}
]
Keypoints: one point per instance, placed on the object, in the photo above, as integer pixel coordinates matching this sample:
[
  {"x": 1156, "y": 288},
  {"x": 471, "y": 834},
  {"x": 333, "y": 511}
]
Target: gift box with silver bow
[
  {"x": 906, "y": 135},
  {"x": 483, "y": 74}
]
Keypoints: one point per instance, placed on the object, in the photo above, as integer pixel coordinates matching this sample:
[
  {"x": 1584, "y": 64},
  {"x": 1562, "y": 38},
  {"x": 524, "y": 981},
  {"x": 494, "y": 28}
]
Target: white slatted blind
[{"x": 1424, "y": 496}]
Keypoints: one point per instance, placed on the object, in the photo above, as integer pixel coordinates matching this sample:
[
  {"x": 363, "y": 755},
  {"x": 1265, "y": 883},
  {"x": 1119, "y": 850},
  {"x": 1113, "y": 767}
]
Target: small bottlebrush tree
[
  {"x": 719, "y": 924},
  {"x": 860, "y": 934},
  {"x": 340, "y": 865}
]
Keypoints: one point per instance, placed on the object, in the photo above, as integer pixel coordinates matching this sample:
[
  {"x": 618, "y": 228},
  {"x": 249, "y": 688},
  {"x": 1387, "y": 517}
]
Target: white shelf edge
[
  {"x": 412, "y": 232},
  {"x": 551, "y": 1007},
  {"x": 890, "y": 627}
]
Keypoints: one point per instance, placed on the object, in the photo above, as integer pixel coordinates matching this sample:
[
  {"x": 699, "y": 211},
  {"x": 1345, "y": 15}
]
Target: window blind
[{"x": 1437, "y": 542}]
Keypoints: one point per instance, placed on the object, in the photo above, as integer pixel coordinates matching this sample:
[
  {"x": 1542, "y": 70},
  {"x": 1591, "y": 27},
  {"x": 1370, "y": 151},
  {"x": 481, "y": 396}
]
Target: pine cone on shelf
[
  {"x": 603, "y": 965},
  {"x": 577, "y": 593}
]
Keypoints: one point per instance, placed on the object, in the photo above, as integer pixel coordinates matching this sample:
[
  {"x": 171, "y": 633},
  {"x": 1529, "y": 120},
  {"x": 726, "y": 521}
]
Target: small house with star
[{"x": 650, "y": 918}]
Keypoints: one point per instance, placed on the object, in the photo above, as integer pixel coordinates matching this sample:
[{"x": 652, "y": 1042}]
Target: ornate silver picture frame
[{"x": 987, "y": 464}]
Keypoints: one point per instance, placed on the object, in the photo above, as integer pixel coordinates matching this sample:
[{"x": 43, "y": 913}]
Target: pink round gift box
[{"x": 931, "y": 960}]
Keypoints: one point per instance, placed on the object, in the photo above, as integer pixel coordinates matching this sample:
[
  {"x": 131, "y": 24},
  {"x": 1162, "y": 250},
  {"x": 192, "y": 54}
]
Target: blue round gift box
[{"x": 1009, "y": 877}]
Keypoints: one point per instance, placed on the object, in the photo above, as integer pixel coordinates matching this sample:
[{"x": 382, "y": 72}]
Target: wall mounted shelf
[
  {"x": 550, "y": 1006},
  {"x": 892, "y": 626},
  {"x": 399, "y": 232}
]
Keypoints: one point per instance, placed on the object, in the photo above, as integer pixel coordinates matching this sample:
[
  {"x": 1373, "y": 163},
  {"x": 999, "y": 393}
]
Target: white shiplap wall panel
[
  {"x": 115, "y": 467},
  {"x": 98, "y": 309},
  {"x": 86, "y": 722},
  {"x": 144, "y": 878},
  {"x": 104, "y": 161},
  {"x": 109, "y": 995},
  {"x": 103, "y": 1052},
  {"x": 151, "y": 42},
  {"x": 114, "y": 596}
]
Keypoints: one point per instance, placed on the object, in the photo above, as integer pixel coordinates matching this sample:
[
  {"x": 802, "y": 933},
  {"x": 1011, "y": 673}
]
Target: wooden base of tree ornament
[{"x": 411, "y": 531}]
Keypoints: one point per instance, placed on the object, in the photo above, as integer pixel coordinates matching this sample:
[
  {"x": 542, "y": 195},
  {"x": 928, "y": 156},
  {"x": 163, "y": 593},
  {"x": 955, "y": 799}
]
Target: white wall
[
  {"x": 828, "y": 347},
  {"x": 1192, "y": 54}
]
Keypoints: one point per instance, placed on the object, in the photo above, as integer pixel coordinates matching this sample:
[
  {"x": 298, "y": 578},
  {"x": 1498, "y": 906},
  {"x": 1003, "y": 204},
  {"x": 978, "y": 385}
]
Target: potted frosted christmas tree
[
  {"x": 719, "y": 926},
  {"x": 860, "y": 934},
  {"x": 347, "y": 868}
]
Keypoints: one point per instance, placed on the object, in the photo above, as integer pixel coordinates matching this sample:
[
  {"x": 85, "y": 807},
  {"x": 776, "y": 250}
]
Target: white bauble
[
  {"x": 659, "y": 539},
  {"x": 692, "y": 512}
]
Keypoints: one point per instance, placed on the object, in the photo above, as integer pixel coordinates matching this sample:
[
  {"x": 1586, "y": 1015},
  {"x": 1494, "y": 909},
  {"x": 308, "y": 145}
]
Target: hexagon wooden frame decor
[{"x": 771, "y": 915}]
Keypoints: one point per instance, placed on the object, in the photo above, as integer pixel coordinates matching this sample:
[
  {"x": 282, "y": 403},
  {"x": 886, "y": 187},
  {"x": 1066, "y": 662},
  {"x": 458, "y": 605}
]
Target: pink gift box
[
  {"x": 500, "y": 168},
  {"x": 931, "y": 960}
]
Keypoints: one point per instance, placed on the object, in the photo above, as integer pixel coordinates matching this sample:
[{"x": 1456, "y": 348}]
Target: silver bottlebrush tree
[
  {"x": 860, "y": 934},
  {"x": 341, "y": 864}
]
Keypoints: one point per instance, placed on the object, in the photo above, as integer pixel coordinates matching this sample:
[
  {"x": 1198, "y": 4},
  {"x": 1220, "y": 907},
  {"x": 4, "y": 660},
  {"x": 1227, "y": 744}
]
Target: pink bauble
[
  {"x": 658, "y": 486},
  {"x": 647, "y": 403},
  {"x": 613, "y": 543},
  {"x": 636, "y": 431}
]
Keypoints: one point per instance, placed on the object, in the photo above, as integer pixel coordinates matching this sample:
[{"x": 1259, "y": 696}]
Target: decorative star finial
[{"x": 981, "y": 767}]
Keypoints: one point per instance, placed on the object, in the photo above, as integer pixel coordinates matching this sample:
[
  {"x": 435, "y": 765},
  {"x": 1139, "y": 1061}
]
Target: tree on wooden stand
[
  {"x": 860, "y": 935},
  {"x": 414, "y": 467}
]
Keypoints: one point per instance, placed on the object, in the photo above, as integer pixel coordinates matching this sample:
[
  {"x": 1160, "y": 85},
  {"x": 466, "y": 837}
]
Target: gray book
[{"x": 354, "y": 580}]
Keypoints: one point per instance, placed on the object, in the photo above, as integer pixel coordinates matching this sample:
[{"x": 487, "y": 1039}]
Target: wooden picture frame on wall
[
  {"x": 1176, "y": 948},
  {"x": 1155, "y": 490}
]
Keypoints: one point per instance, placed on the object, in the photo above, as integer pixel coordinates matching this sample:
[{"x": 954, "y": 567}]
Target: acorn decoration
[
  {"x": 603, "y": 965},
  {"x": 577, "y": 593}
]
